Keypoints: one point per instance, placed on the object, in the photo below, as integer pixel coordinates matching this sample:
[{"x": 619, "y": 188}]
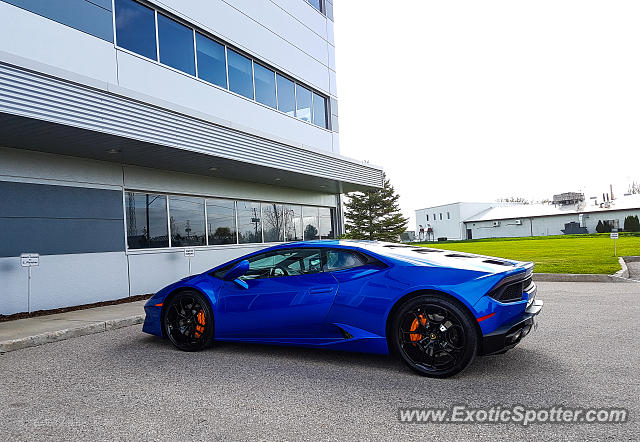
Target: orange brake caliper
[
  {"x": 201, "y": 324},
  {"x": 414, "y": 327}
]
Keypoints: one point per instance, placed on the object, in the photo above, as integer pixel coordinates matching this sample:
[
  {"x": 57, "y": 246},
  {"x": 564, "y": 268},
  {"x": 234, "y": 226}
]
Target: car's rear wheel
[
  {"x": 188, "y": 321},
  {"x": 434, "y": 336}
]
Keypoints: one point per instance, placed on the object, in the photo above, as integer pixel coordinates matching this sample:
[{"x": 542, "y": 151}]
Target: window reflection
[
  {"x": 265, "y": 85},
  {"x": 212, "y": 65},
  {"x": 240, "y": 74},
  {"x": 221, "y": 221},
  {"x": 273, "y": 222},
  {"x": 249, "y": 222},
  {"x": 146, "y": 220},
  {"x": 286, "y": 96},
  {"x": 136, "y": 28},
  {"x": 303, "y": 103},
  {"x": 186, "y": 221},
  {"x": 319, "y": 111},
  {"x": 176, "y": 45},
  {"x": 293, "y": 223},
  {"x": 310, "y": 221},
  {"x": 326, "y": 224}
]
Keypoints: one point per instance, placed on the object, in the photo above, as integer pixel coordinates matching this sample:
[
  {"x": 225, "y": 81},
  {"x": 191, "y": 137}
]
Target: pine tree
[{"x": 374, "y": 214}]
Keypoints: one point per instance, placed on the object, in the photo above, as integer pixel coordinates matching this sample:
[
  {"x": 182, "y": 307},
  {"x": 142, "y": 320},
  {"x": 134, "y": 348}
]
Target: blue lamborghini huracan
[{"x": 435, "y": 309}]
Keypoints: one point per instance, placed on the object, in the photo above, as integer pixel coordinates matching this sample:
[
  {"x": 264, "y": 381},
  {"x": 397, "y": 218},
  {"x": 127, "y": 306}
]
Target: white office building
[
  {"x": 460, "y": 221},
  {"x": 133, "y": 131}
]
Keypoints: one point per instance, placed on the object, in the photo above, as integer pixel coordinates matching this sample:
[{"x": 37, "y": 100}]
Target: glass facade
[
  {"x": 310, "y": 222},
  {"x": 146, "y": 220},
  {"x": 240, "y": 74},
  {"x": 273, "y": 218},
  {"x": 249, "y": 222},
  {"x": 212, "y": 62},
  {"x": 286, "y": 96},
  {"x": 265, "y": 85},
  {"x": 156, "y": 221},
  {"x": 217, "y": 63},
  {"x": 221, "y": 221},
  {"x": 186, "y": 220},
  {"x": 292, "y": 223},
  {"x": 176, "y": 45},
  {"x": 303, "y": 103},
  {"x": 136, "y": 28}
]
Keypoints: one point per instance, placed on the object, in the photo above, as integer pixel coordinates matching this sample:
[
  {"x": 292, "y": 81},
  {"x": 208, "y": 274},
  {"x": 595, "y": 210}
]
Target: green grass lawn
[{"x": 554, "y": 254}]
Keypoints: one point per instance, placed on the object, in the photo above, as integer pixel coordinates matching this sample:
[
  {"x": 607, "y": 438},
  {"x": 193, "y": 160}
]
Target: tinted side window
[
  {"x": 343, "y": 259},
  {"x": 287, "y": 262}
]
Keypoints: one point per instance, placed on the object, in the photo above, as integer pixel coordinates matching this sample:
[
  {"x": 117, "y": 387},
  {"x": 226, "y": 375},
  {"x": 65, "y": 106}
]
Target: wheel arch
[
  {"x": 176, "y": 292},
  {"x": 411, "y": 295}
]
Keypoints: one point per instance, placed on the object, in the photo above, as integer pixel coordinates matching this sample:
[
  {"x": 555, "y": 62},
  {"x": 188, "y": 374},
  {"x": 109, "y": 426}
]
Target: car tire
[
  {"x": 187, "y": 320},
  {"x": 434, "y": 335}
]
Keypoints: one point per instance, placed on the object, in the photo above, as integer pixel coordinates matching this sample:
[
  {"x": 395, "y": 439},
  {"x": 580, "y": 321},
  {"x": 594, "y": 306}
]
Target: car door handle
[{"x": 321, "y": 290}]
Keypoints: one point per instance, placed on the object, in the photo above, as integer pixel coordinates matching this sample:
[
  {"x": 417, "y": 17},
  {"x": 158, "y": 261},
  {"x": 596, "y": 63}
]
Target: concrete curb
[
  {"x": 624, "y": 270},
  {"x": 569, "y": 277},
  {"x": 61, "y": 335}
]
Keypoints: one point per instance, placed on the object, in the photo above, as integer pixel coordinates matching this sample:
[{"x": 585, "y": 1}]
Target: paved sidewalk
[{"x": 30, "y": 332}]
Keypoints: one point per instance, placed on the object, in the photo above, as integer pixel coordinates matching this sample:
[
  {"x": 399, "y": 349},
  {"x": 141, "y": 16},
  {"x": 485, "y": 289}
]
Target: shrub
[
  {"x": 632, "y": 223},
  {"x": 600, "y": 227}
]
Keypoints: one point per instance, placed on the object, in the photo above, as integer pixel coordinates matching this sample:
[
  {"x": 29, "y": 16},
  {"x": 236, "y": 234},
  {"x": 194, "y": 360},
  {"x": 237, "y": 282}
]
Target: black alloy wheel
[
  {"x": 434, "y": 336},
  {"x": 188, "y": 321}
]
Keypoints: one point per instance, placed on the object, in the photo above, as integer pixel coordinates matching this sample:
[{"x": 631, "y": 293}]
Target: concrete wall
[
  {"x": 453, "y": 227},
  {"x": 289, "y": 35},
  {"x": 64, "y": 279}
]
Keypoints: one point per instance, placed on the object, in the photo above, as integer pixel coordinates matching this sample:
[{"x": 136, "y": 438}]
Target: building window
[
  {"x": 136, "y": 28},
  {"x": 316, "y": 4},
  {"x": 240, "y": 74},
  {"x": 293, "y": 223},
  {"x": 212, "y": 64},
  {"x": 326, "y": 226},
  {"x": 427, "y": 217},
  {"x": 186, "y": 221},
  {"x": 273, "y": 219},
  {"x": 216, "y": 63},
  {"x": 319, "y": 111},
  {"x": 249, "y": 222},
  {"x": 440, "y": 216},
  {"x": 176, "y": 45},
  {"x": 286, "y": 96},
  {"x": 221, "y": 221},
  {"x": 265, "y": 85},
  {"x": 303, "y": 103},
  {"x": 310, "y": 222},
  {"x": 146, "y": 220},
  {"x": 434, "y": 217},
  {"x": 448, "y": 215}
]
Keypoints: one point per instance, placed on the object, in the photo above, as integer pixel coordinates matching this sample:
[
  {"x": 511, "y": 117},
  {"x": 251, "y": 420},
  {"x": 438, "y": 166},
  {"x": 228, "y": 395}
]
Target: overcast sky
[{"x": 477, "y": 100}]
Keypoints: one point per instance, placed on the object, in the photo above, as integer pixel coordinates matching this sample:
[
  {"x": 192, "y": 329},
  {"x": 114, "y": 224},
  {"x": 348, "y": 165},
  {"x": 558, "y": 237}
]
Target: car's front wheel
[
  {"x": 434, "y": 336},
  {"x": 188, "y": 321}
]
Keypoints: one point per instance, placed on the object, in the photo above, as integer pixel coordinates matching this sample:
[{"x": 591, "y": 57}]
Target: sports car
[{"x": 435, "y": 309}]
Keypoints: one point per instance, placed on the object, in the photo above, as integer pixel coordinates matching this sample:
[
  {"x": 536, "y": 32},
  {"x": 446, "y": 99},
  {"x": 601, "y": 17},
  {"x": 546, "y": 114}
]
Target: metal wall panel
[
  {"x": 35, "y": 95},
  {"x": 91, "y": 16}
]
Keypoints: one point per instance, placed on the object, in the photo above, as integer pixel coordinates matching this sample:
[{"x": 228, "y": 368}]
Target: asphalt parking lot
[{"x": 124, "y": 384}]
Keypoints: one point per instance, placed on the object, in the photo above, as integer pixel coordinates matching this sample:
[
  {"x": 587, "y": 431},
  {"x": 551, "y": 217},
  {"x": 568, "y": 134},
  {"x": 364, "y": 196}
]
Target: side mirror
[{"x": 237, "y": 271}]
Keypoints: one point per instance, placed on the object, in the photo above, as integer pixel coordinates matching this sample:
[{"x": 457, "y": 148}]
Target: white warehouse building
[
  {"x": 462, "y": 220},
  {"x": 141, "y": 140}
]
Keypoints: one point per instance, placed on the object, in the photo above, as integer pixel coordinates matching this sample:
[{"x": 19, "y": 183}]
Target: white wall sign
[
  {"x": 614, "y": 235},
  {"x": 189, "y": 253},
  {"x": 29, "y": 259}
]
